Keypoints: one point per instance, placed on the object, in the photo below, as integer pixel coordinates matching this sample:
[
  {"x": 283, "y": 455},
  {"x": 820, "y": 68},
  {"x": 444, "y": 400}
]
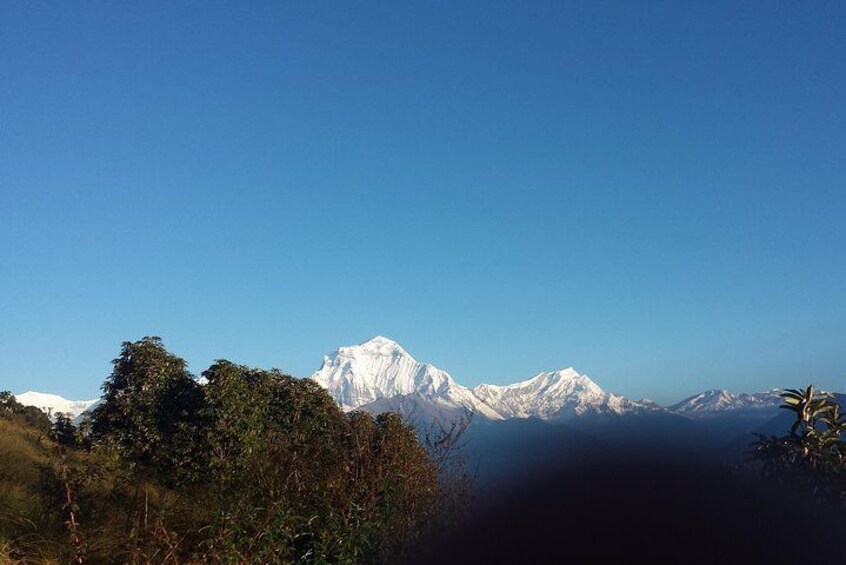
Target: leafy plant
[
  {"x": 254, "y": 466},
  {"x": 149, "y": 412},
  {"x": 813, "y": 453}
]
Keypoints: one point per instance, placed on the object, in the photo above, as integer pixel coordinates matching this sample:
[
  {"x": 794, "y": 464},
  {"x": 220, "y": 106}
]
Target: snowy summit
[
  {"x": 380, "y": 375},
  {"x": 716, "y": 400},
  {"x": 52, "y": 404},
  {"x": 553, "y": 395},
  {"x": 381, "y": 369}
]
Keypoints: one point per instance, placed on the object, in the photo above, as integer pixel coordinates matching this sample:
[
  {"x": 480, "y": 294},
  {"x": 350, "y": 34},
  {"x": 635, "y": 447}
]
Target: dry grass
[
  {"x": 23, "y": 514},
  {"x": 22, "y": 451},
  {"x": 6, "y": 553}
]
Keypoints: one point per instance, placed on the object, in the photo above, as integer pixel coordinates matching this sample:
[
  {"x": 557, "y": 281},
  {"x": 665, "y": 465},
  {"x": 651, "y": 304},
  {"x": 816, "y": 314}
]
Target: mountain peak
[
  {"x": 720, "y": 400},
  {"x": 565, "y": 375},
  {"x": 383, "y": 346},
  {"x": 568, "y": 373},
  {"x": 716, "y": 393},
  {"x": 379, "y": 373},
  {"x": 380, "y": 368},
  {"x": 375, "y": 347},
  {"x": 52, "y": 404},
  {"x": 568, "y": 378},
  {"x": 554, "y": 395}
]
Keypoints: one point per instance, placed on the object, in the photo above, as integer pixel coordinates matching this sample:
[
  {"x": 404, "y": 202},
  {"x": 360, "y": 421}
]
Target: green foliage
[
  {"x": 341, "y": 486},
  {"x": 150, "y": 411},
  {"x": 64, "y": 431},
  {"x": 29, "y": 525},
  {"x": 253, "y": 467},
  {"x": 32, "y": 416},
  {"x": 814, "y": 452}
]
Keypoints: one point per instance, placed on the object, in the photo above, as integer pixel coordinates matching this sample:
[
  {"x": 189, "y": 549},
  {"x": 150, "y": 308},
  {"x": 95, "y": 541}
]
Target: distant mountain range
[
  {"x": 531, "y": 425},
  {"x": 379, "y": 375},
  {"x": 52, "y": 404},
  {"x": 365, "y": 376},
  {"x": 714, "y": 401}
]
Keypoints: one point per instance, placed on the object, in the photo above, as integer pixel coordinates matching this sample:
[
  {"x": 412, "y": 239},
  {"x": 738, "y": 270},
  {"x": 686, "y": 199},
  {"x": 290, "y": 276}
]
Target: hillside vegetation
[
  {"x": 24, "y": 515},
  {"x": 253, "y": 467}
]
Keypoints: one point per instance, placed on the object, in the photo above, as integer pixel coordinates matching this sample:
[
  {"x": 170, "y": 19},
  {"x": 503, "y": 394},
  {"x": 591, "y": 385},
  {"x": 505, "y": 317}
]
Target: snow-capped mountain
[
  {"x": 419, "y": 410},
  {"x": 715, "y": 401},
  {"x": 556, "y": 395},
  {"x": 52, "y": 404},
  {"x": 380, "y": 375},
  {"x": 380, "y": 369}
]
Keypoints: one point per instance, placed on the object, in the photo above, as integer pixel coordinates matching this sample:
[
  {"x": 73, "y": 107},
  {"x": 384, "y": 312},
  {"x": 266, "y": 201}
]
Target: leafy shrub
[
  {"x": 253, "y": 467},
  {"x": 813, "y": 454}
]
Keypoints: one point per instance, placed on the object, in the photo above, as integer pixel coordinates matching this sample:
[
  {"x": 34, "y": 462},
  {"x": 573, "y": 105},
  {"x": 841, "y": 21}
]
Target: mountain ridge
[
  {"x": 53, "y": 404},
  {"x": 365, "y": 376},
  {"x": 380, "y": 368},
  {"x": 379, "y": 375},
  {"x": 714, "y": 401}
]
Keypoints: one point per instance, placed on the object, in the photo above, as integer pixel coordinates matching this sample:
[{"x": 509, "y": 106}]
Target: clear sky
[{"x": 651, "y": 192}]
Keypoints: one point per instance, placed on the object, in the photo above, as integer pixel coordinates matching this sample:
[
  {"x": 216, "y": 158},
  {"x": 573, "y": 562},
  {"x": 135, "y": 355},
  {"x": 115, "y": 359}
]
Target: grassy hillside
[
  {"x": 254, "y": 467},
  {"x": 27, "y": 523}
]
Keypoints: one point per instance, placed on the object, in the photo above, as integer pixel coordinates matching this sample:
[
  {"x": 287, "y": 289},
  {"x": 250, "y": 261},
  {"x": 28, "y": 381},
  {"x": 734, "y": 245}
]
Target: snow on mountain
[
  {"x": 379, "y": 375},
  {"x": 555, "y": 395},
  {"x": 715, "y": 401},
  {"x": 52, "y": 404},
  {"x": 418, "y": 409},
  {"x": 380, "y": 369}
]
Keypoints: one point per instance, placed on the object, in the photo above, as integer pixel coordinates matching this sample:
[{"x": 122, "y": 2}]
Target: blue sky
[{"x": 654, "y": 193}]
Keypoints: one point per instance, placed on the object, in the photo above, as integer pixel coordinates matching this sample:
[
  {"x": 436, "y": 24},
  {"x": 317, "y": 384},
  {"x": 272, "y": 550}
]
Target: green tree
[
  {"x": 10, "y": 408},
  {"x": 150, "y": 411},
  {"x": 294, "y": 478},
  {"x": 277, "y": 462},
  {"x": 407, "y": 481},
  {"x": 64, "y": 431},
  {"x": 253, "y": 467}
]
